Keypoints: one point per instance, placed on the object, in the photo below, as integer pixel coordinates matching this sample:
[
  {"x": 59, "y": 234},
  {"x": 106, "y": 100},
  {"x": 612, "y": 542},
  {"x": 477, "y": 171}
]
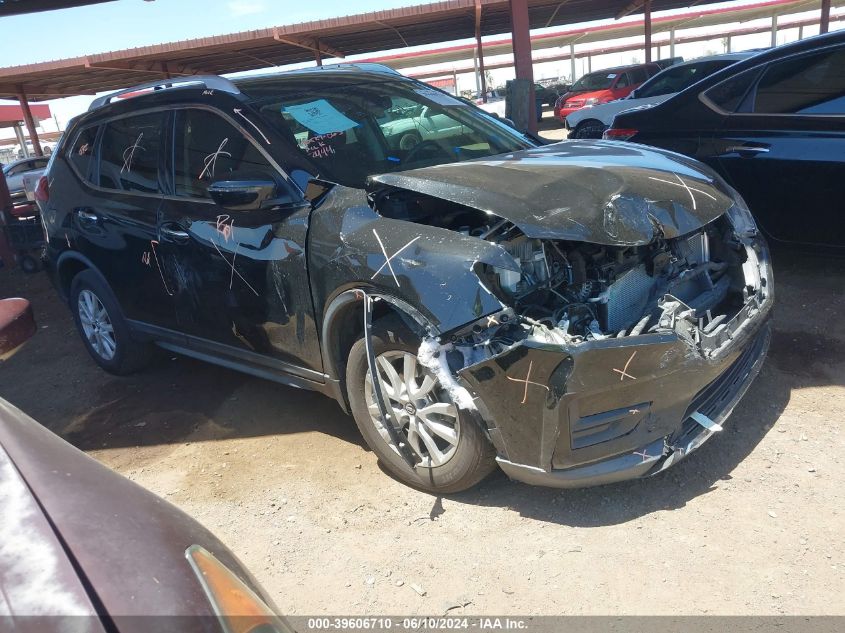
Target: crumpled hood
[{"x": 604, "y": 192}]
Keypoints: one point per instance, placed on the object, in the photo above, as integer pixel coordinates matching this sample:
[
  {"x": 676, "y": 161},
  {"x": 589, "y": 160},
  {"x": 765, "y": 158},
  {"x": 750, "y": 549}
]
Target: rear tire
[
  {"x": 589, "y": 129},
  {"x": 453, "y": 464},
  {"x": 103, "y": 328}
]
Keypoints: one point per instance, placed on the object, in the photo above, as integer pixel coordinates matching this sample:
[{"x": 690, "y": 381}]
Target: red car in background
[{"x": 602, "y": 86}]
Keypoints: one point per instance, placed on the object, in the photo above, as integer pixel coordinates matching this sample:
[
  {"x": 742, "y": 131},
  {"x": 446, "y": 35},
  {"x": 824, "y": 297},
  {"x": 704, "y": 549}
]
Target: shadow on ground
[{"x": 55, "y": 381}]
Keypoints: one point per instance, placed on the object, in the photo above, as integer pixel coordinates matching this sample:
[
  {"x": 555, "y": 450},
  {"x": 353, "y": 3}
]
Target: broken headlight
[{"x": 741, "y": 218}]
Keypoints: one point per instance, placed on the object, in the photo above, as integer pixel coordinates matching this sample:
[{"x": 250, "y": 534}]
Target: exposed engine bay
[{"x": 571, "y": 292}]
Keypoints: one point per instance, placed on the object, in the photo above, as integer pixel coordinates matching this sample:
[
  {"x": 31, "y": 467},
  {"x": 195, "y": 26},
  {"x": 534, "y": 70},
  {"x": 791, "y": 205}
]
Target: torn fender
[
  {"x": 602, "y": 192},
  {"x": 424, "y": 266}
]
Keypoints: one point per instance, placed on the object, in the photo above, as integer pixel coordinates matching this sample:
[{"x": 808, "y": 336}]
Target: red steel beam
[
  {"x": 480, "y": 51},
  {"x": 30, "y": 122}
]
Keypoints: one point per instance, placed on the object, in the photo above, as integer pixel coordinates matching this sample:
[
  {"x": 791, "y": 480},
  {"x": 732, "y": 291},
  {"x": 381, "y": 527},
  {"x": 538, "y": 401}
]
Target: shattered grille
[{"x": 627, "y": 298}]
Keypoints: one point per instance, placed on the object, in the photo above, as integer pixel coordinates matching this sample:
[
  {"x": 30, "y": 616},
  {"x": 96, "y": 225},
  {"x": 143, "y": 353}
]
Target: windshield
[
  {"x": 351, "y": 132},
  {"x": 594, "y": 81},
  {"x": 677, "y": 78}
]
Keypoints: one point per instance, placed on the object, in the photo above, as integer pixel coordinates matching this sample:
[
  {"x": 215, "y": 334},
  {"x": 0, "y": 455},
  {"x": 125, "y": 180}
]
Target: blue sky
[{"x": 130, "y": 23}]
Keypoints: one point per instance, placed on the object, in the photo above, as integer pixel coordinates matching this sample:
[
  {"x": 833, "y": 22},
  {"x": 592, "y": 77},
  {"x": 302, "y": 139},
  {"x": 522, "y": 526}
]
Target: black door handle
[{"x": 174, "y": 233}]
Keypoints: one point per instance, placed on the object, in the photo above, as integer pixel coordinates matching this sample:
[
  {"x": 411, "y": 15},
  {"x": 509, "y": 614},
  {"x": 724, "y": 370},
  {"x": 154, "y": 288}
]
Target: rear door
[
  {"x": 115, "y": 221},
  {"x": 782, "y": 147}
]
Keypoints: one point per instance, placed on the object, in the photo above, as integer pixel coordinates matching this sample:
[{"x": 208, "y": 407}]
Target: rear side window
[
  {"x": 209, "y": 148},
  {"x": 730, "y": 94},
  {"x": 81, "y": 153},
  {"x": 812, "y": 84},
  {"x": 129, "y": 153}
]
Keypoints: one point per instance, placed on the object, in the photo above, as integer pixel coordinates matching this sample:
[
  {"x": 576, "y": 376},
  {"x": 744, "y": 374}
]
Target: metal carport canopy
[
  {"x": 278, "y": 46},
  {"x": 713, "y": 16}
]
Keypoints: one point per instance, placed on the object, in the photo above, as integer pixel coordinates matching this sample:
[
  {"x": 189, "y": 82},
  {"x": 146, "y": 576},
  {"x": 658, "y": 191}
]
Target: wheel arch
[
  {"x": 343, "y": 324},
  {"x": 68, "y": 266},
  {"x": 586, "y": 123}
]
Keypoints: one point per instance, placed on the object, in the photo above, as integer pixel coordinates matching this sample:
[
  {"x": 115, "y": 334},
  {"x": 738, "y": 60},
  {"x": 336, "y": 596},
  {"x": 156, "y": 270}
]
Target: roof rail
[
  {"x": 369, "y": 66},
  {"x": 211, "y": 82}
]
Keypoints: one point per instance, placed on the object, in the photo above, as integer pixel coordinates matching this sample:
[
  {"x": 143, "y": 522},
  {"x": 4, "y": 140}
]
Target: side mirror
[{"x": 242, "y": 195}]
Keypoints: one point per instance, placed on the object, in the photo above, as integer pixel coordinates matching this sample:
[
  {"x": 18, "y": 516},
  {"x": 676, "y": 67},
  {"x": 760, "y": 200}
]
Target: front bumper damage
[{"x": 614, "y": 409}]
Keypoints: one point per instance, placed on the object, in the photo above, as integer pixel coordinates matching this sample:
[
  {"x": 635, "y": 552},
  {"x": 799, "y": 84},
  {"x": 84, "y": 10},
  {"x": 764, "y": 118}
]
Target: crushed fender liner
[{"x": 387, "y": 420}]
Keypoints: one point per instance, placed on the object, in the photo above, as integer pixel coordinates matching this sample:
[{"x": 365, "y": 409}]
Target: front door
[
  {"x": 240, "y": 282},
  {"x": 783, "y": 148}
]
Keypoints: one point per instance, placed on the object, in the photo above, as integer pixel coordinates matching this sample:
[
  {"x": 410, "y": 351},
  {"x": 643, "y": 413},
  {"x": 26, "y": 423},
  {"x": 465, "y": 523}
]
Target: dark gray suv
[{"x": 579, "y": 313}]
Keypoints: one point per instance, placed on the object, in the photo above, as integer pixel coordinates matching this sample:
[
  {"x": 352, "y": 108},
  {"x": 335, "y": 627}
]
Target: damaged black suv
[{"x": 579, "y": 313}]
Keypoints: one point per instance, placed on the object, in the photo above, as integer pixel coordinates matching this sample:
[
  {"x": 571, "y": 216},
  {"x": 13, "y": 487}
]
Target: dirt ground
[{"x": 751, "y": 524}]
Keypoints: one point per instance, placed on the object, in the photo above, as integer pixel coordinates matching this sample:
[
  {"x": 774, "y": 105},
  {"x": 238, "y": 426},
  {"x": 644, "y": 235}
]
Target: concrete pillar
[
  {"x": 589, "y": 64},
  {"x": 774, "y": 31},
  {"x": 572, "y": 63},
  {"x": 318, "y": 57},
  {"x": 647, "y": 23},
  {"x": 30, "y": 122},
  {"x": 671, "y": 43},
  {"x": 801, "y": 32},
  {"x": 523, "y": 64},
  {"x": 728, "y": 39},
  {"x": 824, "y": 21}
]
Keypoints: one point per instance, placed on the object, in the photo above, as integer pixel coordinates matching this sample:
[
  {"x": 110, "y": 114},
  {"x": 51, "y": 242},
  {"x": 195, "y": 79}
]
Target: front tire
[
  {"x": 453, "y": 452},
  {"x": 589, "y": 129},
  {"x": 103, "y": 328}
]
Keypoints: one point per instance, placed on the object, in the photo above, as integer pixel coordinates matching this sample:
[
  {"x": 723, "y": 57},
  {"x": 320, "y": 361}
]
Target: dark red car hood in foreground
[{"x": 77, "y": 539}]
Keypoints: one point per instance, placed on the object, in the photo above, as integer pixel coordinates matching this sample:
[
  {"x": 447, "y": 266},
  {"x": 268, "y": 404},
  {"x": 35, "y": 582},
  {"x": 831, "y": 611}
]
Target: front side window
[
  {"x": 623, "y": 82},
  {"x": 594, "y": 81},
  {"x": 208, "y": 148},
  {"x": 130, "y": 150},
  {"x": 81, "y": 153},
  {"x": 812, "y": 84},
  {"x": 351, "y": 132}
]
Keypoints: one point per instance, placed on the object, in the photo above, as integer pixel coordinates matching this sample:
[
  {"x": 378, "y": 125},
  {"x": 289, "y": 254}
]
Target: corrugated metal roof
[
  {"x": 279, "y": 46},
  {"x": 699, "y": 17}
]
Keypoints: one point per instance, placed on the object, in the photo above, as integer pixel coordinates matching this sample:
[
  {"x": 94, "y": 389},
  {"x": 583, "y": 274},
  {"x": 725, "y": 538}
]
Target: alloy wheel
[
  {"x": 427, "y": 416},
  {"x": 96, "y": 324}
]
